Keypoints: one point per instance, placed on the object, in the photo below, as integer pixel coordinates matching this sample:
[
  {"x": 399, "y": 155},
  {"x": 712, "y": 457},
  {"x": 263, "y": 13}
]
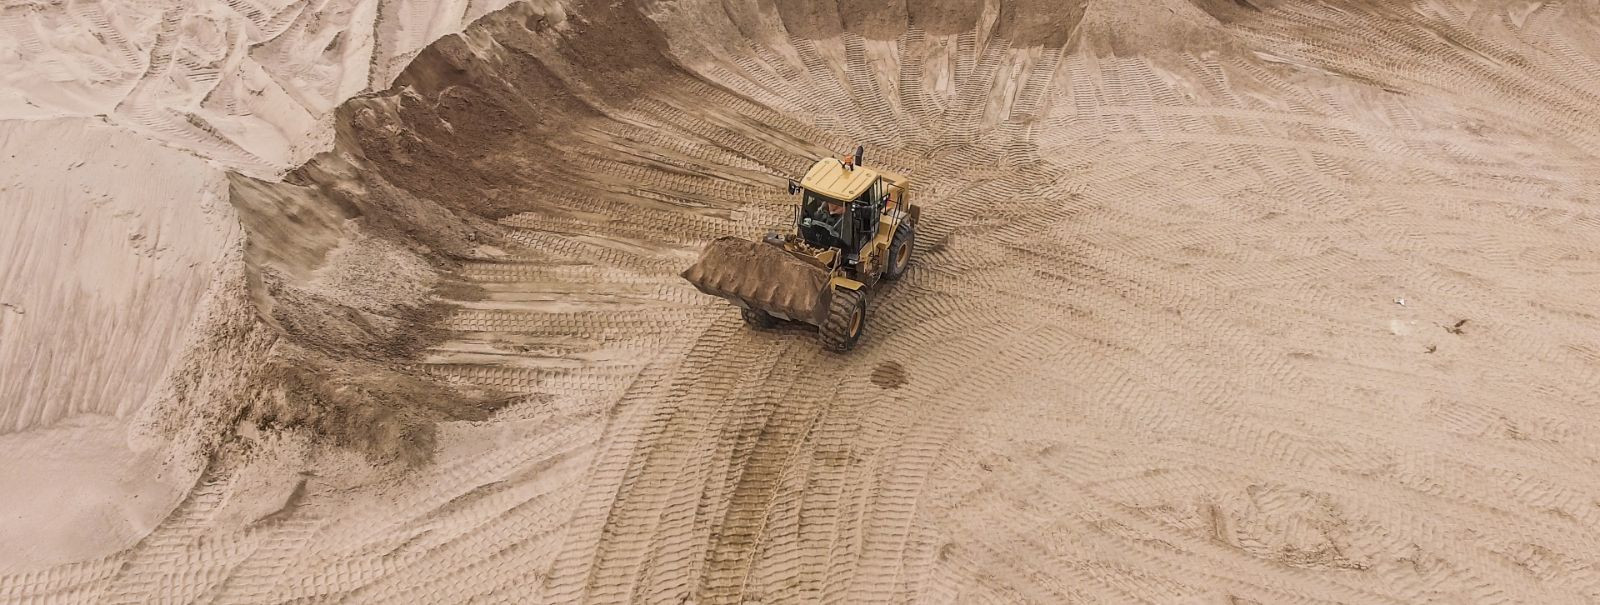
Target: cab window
[{"x": 823, "y": 221}]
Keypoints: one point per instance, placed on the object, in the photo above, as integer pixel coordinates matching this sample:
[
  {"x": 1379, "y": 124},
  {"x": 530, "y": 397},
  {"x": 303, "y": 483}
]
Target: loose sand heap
[{"x": 1215, "y": 301}]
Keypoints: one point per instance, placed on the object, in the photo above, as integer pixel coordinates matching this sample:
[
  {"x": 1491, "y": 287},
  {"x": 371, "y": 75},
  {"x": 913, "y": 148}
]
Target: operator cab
[
  {"x": 826, "y": 222},
  {"x": 841, "y": 205}
]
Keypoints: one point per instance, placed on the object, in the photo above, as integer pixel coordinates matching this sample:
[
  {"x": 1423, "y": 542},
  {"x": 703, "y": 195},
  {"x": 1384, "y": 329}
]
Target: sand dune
[{"x": 1214, "y": 302}]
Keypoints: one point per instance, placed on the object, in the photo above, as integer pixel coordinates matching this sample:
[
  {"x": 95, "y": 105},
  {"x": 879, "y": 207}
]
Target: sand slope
[
  {"x": 248, "y": 85},
  {"x": 1214, "y": 302},
  {"x": 109, "y": 241}
]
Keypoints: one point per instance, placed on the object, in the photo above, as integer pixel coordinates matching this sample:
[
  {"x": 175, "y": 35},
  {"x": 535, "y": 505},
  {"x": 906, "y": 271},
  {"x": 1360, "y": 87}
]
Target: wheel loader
[{"x": 854, "y": 228}]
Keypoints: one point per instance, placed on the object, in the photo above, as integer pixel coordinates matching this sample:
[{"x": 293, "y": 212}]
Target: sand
[
  {"x": 75, "y": 490},
  {"x": 248, "y": 86},
  {"x": 1214, "y": 302},
  {"x": 108, "y": 241}
]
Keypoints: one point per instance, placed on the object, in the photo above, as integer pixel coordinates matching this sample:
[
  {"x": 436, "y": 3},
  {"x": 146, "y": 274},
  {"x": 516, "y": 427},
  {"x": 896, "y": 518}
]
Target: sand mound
[{"x": 1248, "y": 302}]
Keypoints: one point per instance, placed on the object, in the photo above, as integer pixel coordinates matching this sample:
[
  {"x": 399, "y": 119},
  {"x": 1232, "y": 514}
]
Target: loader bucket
[{"x": 762, "y": 276}]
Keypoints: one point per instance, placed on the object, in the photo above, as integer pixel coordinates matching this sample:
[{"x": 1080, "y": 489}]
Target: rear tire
[
  {"x": 759, "y": 320},
  {"x": 846, "y": 321},
  {"x": 905, "y": 240}
]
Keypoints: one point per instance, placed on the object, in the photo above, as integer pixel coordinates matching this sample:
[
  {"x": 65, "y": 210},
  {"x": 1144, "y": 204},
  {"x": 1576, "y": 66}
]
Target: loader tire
[
  {"x": 760, "y": 320},
  {"x": 847, "y": 319},
  {"x": 905, "y": 240}
]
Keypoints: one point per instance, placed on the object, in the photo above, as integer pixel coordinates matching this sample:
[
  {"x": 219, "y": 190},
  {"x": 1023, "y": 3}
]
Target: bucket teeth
[{"x": 760, "y": 276}]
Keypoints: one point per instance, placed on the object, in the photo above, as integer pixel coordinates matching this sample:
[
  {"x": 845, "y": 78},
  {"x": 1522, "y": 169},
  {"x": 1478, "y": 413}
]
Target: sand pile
[{"x": 1217, "y": 302}]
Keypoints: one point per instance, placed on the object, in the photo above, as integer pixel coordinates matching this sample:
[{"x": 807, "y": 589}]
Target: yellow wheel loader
[{"x": 855, "y": 226}]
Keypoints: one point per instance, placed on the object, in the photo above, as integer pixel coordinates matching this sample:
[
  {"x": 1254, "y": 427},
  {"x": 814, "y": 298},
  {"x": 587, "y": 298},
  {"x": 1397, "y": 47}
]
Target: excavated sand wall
[{"x": 189, "y": 89}]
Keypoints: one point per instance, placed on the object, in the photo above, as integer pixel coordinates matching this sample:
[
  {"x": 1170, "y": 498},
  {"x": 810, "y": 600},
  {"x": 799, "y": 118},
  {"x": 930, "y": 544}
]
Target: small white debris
[
  {"x": 1400, "y": 301},
  {"x": 1402, "y": 327}
]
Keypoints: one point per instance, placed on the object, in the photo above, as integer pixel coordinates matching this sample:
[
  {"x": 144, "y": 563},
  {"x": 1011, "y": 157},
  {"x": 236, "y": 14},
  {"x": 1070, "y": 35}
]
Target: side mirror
[
  {"x": 794, "y": 188},
  {"x": 860, "y": 152}
]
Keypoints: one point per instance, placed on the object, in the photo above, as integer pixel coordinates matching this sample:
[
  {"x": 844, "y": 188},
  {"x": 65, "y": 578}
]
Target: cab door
[{"x": 868, "y": 209}]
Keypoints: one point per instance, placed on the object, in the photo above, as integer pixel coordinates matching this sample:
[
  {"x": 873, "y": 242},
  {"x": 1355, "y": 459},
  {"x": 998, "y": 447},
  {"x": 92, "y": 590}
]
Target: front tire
[
  {"x": 847, "y": 319},
  {"x": 905, "y": 239}
]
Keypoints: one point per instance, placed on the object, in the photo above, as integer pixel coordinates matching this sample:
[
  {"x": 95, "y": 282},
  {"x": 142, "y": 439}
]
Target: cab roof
[{"x": 828, "y": 177}]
